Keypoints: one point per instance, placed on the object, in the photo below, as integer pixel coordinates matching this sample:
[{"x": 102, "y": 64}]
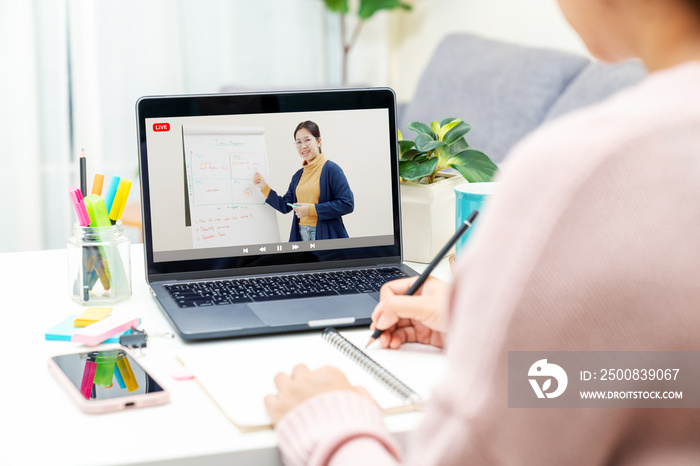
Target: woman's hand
[
  {"x": 411, "y": 319},
  {"x": 303, "y": 210},
  {"x": 303, "y": 384},
  {"x": 259, "y": 181}
]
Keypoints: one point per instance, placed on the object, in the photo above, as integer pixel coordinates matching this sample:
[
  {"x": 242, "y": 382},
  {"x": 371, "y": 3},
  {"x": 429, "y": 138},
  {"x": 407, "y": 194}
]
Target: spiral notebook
[{"x": 237, "y": 375}]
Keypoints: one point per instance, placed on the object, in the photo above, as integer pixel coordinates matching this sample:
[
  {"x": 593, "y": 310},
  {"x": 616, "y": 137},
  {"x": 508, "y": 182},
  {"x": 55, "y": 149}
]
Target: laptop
[{"x": 230, "y": 248}]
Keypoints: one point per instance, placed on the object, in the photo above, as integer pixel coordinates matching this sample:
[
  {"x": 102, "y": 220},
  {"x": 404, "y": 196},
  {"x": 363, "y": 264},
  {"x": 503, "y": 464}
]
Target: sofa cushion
[
  {"x": 503, "y": 90},
  {"x": 595, "y": 83}
]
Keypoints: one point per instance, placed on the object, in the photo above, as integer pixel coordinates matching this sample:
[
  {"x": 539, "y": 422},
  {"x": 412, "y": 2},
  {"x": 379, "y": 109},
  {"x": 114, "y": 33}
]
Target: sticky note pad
[
  {"x": 63, "y": 331},
  {"x": 91, "y": 315},
  {"x": 98, "y": 332}
]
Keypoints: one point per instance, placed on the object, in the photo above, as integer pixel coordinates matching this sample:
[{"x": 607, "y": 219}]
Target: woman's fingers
[{"x": 424, "y": 309}]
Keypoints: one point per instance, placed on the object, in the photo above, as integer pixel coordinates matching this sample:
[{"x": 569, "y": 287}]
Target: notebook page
[{"x": 237, "y": 374}]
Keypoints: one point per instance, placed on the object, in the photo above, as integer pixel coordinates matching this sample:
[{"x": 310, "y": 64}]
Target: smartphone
[{"x": 107, "y": 380}]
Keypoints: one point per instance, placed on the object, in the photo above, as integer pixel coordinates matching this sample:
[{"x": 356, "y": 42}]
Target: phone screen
[{"x": 102, "y": 375}]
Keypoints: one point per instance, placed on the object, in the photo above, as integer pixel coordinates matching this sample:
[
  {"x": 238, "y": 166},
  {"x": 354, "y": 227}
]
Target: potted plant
[
  {"x": 366, "y": 10},
  {"x": 427, "y": 191}
]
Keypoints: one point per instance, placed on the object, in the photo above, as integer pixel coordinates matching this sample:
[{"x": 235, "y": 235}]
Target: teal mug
[{"x": 470, "y": 197}]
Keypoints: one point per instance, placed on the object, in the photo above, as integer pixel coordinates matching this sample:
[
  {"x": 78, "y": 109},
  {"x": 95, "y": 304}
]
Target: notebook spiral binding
[{"x": 371, "y": 366}]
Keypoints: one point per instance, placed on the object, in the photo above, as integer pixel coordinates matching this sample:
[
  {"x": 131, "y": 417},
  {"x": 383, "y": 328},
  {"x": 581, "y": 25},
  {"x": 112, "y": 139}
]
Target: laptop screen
[{"x": 256, "y": 181}]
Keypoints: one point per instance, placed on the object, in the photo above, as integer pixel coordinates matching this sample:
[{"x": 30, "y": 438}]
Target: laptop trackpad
[{"x": 297, "y": 311}]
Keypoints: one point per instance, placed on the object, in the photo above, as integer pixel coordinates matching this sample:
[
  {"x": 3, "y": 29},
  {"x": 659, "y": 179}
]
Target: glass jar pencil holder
[{"x": 99, "y": 264}]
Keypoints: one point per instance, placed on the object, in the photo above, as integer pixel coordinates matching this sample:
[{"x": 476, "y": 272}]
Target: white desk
[{"x": 41, "y": 425}]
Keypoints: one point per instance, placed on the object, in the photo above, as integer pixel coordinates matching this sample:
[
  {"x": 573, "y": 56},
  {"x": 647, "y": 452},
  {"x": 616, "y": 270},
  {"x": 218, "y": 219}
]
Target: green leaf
[
  {"x": 449, "y": 120},
  {"x": 411, "y": 154},
  {"x": 473, "y": 165},
  {"x": 370, "y": 7},
  {"x": 421, "y": 157},
  {"x": 398, "y": 132},
  {"x": 458, "y": 146},
  {"x": 420, "y": 128},
  {"x": 337, "y": 6},
  {"x": 410, "y": 170},
  {"x": 444, "y": 153},
  {"x": 405, "y": 145},
  {"x": 446, "y": 128},
  {"x": 456, "y": 133},
  {"x": 435, "y": 126},
  {"x": 425, "y": 143}
]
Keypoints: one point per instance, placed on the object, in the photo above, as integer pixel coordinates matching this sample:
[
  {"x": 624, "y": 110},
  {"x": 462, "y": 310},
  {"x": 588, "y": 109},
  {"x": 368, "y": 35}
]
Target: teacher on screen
[{"x": 319, "y": 193}]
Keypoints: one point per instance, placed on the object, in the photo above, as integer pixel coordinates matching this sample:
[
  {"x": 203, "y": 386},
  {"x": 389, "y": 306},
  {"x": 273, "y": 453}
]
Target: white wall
[
  {"x": 415, "y": 35},
  {"x": 122, "y": 50}
]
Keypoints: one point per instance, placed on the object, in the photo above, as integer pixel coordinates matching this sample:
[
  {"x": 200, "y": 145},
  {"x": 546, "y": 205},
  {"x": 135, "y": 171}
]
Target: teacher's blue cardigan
[{"x": 336, "y": 200}]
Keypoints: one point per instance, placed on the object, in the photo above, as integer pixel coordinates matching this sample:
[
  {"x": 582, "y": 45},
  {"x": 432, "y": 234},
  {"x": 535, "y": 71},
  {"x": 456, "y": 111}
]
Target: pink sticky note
[{"x": 98, "y": 332}]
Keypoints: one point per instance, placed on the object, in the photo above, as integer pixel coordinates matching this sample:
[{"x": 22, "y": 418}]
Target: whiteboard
[{"x": 226, "y": 209}]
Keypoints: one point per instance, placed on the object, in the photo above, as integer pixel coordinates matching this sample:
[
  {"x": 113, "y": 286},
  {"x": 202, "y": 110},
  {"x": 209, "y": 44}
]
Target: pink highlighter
[
  {"x": 88, "y": 379},
  {"x": 76, "y": 198}
]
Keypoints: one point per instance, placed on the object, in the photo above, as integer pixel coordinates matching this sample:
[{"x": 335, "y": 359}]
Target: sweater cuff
[
  {"x": 312, "y": 210},
  {"x": 266, "y": 191},
  {"x": 313, "y": 431}
]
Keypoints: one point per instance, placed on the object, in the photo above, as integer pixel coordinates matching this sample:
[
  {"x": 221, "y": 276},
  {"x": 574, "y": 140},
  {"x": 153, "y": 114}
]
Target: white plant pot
[{"x": 427, "y": 217}]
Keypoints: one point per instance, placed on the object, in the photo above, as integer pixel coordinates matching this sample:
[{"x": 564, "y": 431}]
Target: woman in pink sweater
[{"x": 592, "y": 244}]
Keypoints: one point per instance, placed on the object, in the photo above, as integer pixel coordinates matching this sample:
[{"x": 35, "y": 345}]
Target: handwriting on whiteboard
[
  {"x": 226, "y": 209},
  {"x": 225, "y": 179}
]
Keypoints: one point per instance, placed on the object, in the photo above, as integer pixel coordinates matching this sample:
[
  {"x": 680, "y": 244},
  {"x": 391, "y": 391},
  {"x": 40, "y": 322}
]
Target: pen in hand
[{"x": 426, "y": 273}]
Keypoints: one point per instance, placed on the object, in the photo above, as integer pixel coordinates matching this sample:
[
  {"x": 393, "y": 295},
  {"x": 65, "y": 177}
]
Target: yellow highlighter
[
  {"x": 119, "y": 202},
  {"x": 91, "y": 315},
  {"x": 127, "y": 373}
]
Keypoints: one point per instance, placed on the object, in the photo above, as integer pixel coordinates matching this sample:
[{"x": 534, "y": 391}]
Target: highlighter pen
[
  {"x": 89, "y": 265},
  {"x": 97, "y": 210},
  {"x": 106, "y": 362},
  {"x": 97, "y": 184},
  {"x": 99, "y": 218},
  {"x": 88, "y": 378},
  {"x": 111, "y": 192},
  {"x": 426, "y": 273},
  {"x": 293, "y": 205},
  {"x": 102, "y": 272},
  {"x": 119, "y": 202},
  {"x": 127, "y": 374},
  {"x": 83, "y": 173},
  {"x": 78, "y": 202},
  {"x": 118, "y": 375}
]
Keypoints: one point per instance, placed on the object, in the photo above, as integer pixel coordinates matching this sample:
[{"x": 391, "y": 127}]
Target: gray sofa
[{"x": 505, "y": 91}]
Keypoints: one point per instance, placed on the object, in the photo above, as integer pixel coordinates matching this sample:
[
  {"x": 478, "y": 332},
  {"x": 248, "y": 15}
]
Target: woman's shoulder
[
  {"x": 332, "y": 166},
  {"x": 659, "y": 111}
]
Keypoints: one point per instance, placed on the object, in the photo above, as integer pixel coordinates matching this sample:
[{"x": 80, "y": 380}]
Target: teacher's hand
[
  {"x": 258, "y": 180},
  {"x": 303, "y": 210},
  {"x": 411, "y": 319},
  {"x": 303, "y": 384}
]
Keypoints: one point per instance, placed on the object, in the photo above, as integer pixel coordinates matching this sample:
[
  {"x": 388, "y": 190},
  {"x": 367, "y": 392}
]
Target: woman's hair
[
  {"x": 312, "y": 128},
  {"x": 696, "y": 4}
]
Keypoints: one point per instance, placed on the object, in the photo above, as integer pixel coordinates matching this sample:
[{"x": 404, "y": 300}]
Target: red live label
[{"x": 161, "y": 127}]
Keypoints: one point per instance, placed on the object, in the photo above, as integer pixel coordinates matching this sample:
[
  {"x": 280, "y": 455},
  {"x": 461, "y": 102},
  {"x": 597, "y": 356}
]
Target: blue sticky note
[{"x": 63, "y": 331}]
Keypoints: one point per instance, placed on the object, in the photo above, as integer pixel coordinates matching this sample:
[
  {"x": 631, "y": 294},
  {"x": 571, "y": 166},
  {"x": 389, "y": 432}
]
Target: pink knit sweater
[{"x": 592, "y": 243}]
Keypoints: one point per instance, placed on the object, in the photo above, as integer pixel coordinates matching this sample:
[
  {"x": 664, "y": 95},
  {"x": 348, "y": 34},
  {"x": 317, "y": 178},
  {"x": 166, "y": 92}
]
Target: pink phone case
[{"x": 141, "y": 400}]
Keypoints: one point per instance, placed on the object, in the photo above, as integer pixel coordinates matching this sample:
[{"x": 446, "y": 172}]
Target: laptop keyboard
[{"x": 276, "y": 287}]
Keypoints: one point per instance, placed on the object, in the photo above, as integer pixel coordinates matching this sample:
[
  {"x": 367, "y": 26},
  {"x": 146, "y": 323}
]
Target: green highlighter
[
  {"x": 99, "y": 217},
  {"x": 97, "y": 211}
]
